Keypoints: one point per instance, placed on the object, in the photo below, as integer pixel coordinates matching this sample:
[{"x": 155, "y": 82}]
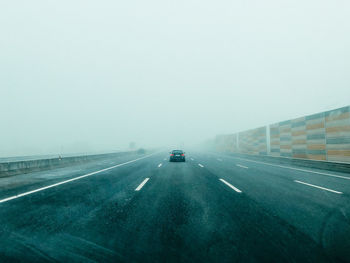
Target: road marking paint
[
  {"x": 231, "y": 186},
  {"x": 220, "y": 160},
  {"x": 201, "y": 165},
  {"x": 192, "y": 159},
  {"x": 296, "y": 169},
  {"x": 242, "y": 166},
  {"x": 316, "y": 186},
  {"x": 71, "y": 180},
  {"x": 164, "y": 159},
  {"x": 159, "y": 165},
  {"x": 142, "y": 184}
]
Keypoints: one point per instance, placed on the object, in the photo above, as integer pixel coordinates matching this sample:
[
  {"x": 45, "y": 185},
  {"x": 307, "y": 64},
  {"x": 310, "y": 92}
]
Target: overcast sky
[{"x": 95, "y": 75}]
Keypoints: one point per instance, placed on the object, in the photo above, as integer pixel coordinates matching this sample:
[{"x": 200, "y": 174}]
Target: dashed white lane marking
[
  {"x": 296, "y": 169},
  {"x": 70, "y": 180},
  {"x": 242, "y": 166},
  {"x": 164, "y": 159},
  {"x": 201, "y": 165},
  {"x": 231, "y": 186},
  {"x": 320, "y": 187},
  {"x": 192, "y": 159},
  {"x": 220, "y": 160},
  {"x": 142, "y": 184},
  {"x": 159, "y": 165}
]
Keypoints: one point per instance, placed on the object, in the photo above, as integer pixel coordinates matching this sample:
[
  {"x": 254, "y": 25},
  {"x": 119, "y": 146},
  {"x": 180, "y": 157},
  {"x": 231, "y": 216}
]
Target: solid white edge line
[
  {"x": 320, "y": 187},
  {"x": 296, "y": 169},
  {"x": 142, "y": 184},
  {"x": 71, "y": 180},
  {"x": 231, "y": 186},
  {"x": 201, "y": 165},
  {"x": 159, "y": 165},
  {"x": 242, "y": 166}
]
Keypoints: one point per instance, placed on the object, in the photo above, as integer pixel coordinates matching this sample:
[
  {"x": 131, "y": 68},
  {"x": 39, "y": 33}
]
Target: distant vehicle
[
  {"x": 177, "y": 156},
  {"x": 141, "y": 151}
]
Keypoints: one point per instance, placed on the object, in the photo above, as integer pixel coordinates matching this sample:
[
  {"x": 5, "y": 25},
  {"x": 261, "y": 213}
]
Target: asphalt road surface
[{"x": 212, "y": 208}]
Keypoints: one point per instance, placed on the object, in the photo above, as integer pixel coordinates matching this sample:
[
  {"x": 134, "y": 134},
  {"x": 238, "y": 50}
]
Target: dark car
[{"x": 177, "y": 156}]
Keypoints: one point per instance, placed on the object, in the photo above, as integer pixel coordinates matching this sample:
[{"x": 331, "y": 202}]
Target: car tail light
[
  {"x": 182, "y": 155},
  {"x": 172, "y": 154}
]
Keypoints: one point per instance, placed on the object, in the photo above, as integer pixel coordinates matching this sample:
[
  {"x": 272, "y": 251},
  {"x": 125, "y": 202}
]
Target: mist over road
[{"x": 212, "y": 208}]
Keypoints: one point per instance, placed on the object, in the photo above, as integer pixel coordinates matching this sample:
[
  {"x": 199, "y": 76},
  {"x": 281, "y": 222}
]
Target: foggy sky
[{"x": 85, "y": 76}]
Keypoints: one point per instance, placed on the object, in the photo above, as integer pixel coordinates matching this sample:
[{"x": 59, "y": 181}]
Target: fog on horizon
[{"x": 93, "y": 76}]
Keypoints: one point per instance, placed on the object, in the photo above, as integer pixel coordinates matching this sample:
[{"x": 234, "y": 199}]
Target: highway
[{"x": 142, "y": 208}]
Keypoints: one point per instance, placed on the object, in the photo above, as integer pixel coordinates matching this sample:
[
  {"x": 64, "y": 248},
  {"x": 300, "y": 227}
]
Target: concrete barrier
[{"x": 19, "y": 167}]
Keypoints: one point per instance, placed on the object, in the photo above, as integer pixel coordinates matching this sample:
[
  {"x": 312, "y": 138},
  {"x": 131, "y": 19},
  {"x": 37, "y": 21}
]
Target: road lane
[
  {"x": 185, "y": 210},
  {"x": 183, "y": 214},
  {"x": 309, "y": 170},
  {"x": 231, "y": 186},
  {"x": 142, "y": 184},
  {"x": 55, "y": 214},
  {"x": 15, "y": 185},
  {"x": 319, "y": 187},
  {"x": 316, "y": 177},
  {"x": 70, "y": 180},
  {"x": 314, "y": 211},
  {"x": 242, "y": 166}
]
